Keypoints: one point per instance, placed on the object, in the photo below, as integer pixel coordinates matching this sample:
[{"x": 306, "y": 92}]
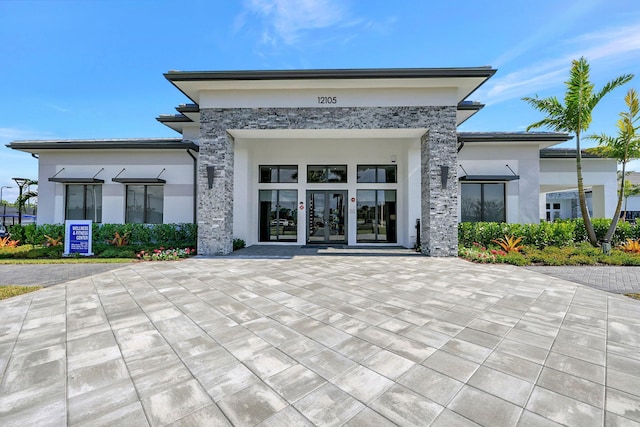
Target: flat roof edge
[
  {"x": 513, "y": 136},
  {"x": 162, "y": 143},
  {"x": 351, "y": 73}
]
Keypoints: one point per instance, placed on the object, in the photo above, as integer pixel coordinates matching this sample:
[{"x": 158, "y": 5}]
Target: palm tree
[
  {"x": 624, "y": 147},
  {"x": 574, "y": 117}
]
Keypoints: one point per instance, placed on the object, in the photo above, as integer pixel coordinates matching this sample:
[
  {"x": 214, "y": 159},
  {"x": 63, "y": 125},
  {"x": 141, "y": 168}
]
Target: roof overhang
[
  {"x": 465, "y": 80},
  {"x": 561, "y": 153},
  {"x": 104, "y": 144},
  {"x": 541, "y": 139}
]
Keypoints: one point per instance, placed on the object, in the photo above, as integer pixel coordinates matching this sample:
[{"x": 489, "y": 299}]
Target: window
[
  {"x": 278, "y": 174},
  {"x": 84, "y": 201},
  {"x": 144, "y": 204},
  {"x": 278, "y": 215},
  {"x": 376, "y": 216},
  {"x": 483, "y": 202},
  {"x": 377, "y": 173},
  {"x": 319, "y": 173}
]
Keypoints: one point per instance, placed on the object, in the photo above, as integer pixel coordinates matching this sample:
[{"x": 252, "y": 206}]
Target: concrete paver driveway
[{"x": 320, "y": 340}]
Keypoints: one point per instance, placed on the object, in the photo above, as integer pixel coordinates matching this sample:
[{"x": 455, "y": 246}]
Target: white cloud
[
  {"x": 292, "y": 23},
  {"x": 608, "y": 48},
  {"x": 286, "y": 19}
]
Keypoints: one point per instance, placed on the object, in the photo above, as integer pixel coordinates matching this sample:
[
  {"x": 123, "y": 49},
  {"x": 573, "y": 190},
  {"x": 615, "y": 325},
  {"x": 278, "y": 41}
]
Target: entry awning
[
  {"x": 489, "y": 178},
  {"x": 77, "y": 180},
  {"x": 139, "y": 180}
]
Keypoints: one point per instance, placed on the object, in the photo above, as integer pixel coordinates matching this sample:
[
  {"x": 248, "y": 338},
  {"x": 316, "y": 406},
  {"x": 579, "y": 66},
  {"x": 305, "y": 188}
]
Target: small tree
[
  {"x": 623, "y": 147},
  {"x": 27, "y": 195},
  {"x": 575, "y": 117}
]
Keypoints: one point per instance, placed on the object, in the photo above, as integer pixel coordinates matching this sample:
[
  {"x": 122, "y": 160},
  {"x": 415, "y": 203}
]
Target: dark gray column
[
  {"x": 215, "y": 185},
  {"x": 439, "y": 156}
]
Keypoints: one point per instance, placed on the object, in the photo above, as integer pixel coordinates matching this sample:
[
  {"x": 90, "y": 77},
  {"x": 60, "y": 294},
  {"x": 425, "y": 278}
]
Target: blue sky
[{"x": 93, "y": 69}]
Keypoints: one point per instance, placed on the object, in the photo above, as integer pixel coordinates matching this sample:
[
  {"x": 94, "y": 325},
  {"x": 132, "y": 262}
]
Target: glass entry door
[{"x": 326, "y": 216}]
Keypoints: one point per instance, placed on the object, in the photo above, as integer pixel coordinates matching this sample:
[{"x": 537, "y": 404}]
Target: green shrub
[
  {"x": 238, "y": 244},
  {"x": 558, "y": 233},
  {"x": 176, "y": 235},
  {"x": 117, "y": 252}
]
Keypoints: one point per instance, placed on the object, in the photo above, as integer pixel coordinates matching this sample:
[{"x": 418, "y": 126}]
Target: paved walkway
[
  {"x": 619, "y": 280},
  {"x": 319, "y": 340},
  {"x": 49, "y": 274}
]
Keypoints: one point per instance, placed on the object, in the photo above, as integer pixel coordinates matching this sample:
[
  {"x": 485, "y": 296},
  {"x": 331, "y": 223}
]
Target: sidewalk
[{"x": 619, "y": 280}]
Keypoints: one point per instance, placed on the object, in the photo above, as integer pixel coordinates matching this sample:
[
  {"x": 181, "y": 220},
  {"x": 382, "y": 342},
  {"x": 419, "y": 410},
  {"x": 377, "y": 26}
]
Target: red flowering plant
[{"x": 479, "y": 253}]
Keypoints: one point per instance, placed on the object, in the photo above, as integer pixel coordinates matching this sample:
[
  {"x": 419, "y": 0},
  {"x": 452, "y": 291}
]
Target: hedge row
[
  {"x": 559, "y": 233},
  {"x": 139, "y": 234}
]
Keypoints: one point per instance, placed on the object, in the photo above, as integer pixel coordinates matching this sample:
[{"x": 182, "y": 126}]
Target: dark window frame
[
  {"x": 482, "y": 199},
  {"x": 327, "y": 169},
  {"x": 377, "y": 167},
  {"x": 278, "y": 167},
  {"x": 261, "y": 231},
  {"x": 84, "y": 202},
  {"x": 145, "y": 209}
]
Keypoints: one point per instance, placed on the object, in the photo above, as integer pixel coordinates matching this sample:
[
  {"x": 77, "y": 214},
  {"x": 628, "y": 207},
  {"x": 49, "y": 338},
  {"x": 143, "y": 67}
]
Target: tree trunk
[
  {"x": 616, "y": 215},
  {"x": 591, "y": 234}
]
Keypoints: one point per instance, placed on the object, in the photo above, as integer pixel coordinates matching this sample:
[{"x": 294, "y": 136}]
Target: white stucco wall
[
  {"x": 600, "y": 174},
  {"x": 178, "y": 190},
  {"x": 522, "y": 200},
  {"x": 250, "y": 154}
]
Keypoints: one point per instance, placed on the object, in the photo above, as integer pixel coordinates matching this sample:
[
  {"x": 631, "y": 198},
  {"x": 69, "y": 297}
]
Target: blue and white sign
[{"x": 78, "y": 237}]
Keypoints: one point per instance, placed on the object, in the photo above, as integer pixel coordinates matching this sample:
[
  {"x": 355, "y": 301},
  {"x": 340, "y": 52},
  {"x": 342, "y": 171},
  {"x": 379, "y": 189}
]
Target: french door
[{"x": 326, "y": 216}]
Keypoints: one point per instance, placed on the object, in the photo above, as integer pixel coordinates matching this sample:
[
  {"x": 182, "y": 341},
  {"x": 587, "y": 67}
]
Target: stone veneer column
[
  {"x": 215, "y": 204},
  {"x": 439, "y": 147},
  {"x": 439, "y": 226}
]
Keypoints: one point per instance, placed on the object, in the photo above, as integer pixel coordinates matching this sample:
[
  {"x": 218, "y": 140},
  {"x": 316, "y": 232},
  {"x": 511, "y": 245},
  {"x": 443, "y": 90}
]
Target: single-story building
[{"x": 351, "y": 157}]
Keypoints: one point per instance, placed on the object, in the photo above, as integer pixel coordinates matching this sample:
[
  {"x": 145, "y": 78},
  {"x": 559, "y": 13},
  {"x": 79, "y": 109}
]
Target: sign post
[{"x": 78, "y": 237}]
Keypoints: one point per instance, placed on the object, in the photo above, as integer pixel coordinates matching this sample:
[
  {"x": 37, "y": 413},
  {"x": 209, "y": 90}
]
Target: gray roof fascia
[
  {"x": 566, "y": 153},
  {"x": 103, "y": 144},
  {"x": 465, "y": 137},
  {"x": 354, "y": 73}
]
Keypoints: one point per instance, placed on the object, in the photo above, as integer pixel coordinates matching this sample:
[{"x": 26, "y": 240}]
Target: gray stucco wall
[{"x": 439, "y": 148}]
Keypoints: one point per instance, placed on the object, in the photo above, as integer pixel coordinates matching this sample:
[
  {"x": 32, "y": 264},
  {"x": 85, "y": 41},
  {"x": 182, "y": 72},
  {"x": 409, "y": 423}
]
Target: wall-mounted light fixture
[
  {"x": 210, "y": 175},
  {"x": 444, "y": 176}
]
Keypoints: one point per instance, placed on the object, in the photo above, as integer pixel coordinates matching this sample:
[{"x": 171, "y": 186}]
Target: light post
[
  {"x": 4, "y": 207},
  {"x": 21, "y": 183}
]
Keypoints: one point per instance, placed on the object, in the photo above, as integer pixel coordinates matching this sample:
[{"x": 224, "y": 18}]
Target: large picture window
[
  {"x": 278, "y": 215},
  {"x": 377, "y": 173},
  {"x": 144, "y": 204},
  {"x": 84, "y": 201},
  {"x": 278, "y": 174},
  {"x": 376, "y": 216},
  {"x": 483, "y": 202}
]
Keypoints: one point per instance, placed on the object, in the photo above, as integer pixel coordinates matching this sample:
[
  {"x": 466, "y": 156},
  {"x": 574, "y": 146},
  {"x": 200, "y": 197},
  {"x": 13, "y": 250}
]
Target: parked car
[{"x": 3, "y": 231}]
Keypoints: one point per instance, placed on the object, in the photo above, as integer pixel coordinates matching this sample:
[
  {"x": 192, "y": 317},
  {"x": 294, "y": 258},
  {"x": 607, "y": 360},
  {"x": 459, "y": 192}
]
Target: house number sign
[{"x": 327, "y": 100}]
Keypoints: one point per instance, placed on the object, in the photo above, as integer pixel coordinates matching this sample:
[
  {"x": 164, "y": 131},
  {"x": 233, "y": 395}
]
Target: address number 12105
[{"x": 327, "y": 100}]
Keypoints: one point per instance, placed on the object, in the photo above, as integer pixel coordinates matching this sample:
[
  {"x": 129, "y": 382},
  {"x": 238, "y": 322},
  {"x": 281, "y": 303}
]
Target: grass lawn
[{"x": 14, "y": 290}]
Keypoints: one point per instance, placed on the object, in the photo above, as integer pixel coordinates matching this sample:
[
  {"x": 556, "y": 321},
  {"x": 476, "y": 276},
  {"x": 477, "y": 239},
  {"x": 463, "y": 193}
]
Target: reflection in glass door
[{"x": 326, "y": 216}]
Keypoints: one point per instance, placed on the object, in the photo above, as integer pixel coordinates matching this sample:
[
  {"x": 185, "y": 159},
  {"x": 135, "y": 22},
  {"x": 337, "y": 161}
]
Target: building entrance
[{"x": 326, "y": 216}]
